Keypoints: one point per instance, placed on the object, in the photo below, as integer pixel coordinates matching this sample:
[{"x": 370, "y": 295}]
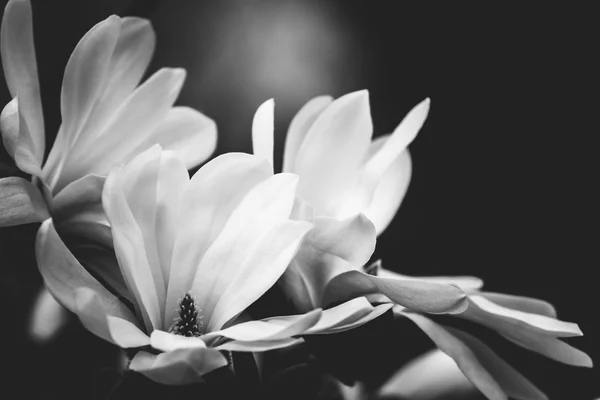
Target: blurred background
[{"x": 503, "y": 170}]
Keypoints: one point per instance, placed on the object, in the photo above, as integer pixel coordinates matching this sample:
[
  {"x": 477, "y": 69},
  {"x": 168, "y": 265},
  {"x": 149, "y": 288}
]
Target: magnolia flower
[
  {"x": 192, "y": 256},
  {"x": 351, "y": 188},
  {"x": 106, "y": 120}
]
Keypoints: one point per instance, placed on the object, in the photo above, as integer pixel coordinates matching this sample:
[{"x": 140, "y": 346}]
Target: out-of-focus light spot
[{"x": 47, "y": 319}]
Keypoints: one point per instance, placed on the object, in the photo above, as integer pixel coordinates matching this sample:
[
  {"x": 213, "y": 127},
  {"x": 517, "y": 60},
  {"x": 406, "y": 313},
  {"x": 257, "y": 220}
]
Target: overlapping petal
[{"x": 20, "y": 202}]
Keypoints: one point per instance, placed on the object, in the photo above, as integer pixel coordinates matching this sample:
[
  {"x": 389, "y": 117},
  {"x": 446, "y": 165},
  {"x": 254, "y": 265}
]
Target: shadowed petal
[
  {"x": 418, "y": 295},
  {"x": 20, "y": 202},
  {"x": 467, "y": 283},
  {"x": 179, "y": 367},
  {"x": 85, "y": 194},
  {"x": 258, "y": 346},
  {"x": 428, "y": 377},
  {"x": 521, "y": 303}
]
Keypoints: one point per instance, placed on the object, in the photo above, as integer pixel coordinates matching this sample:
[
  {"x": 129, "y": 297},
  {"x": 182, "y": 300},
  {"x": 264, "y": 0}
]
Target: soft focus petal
[
  {"x": 9, "y": 126},
  {"x": 20, "y": 202},
  {"x": 275, "y": 328},
  {"x": 467, "y": 283},
  {"x": 128, "y": 236},
  {"x": 318, "y": 260},
  {"x": 191, "y": 135},
  {"x": 299, "y": 127},
  {"x": 259, "y": 346},
  {"x": 428, "y": 377},
  {"x": 418, "y": 295},
  {"x": 20, "y": 71},
  {"x": 488, "y": 372},
  {"x": 85, "y": 194},
  {"x": 179, "y": 367},
  {"x": 332, "y": 152},
  {"x": 263, "y": 126},
  {"x": 535, "y": 332},
  {"x": 68, "y": 281},
  {"x": 48, "y": 317},
  {"x": 210, "y": 197}
]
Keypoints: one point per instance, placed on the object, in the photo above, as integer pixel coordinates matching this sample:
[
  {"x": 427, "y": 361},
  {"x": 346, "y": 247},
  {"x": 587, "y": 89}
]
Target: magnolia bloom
[
  {"x": 192, "y": 254},
  {"x": 106, "y": 120},
  {"x": 350, "y": 188}
]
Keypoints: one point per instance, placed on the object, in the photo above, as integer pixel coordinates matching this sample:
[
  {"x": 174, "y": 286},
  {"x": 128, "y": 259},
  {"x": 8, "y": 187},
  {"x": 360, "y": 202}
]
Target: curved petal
[
  {"x": 495, "y": 378},
  {"x": 129, "y": 198},
  {"x": 332, "y": 152},
  {"x": 73, "y": 286},
  {"x": 345, "y": 315},
  {"x": 48, "y": 317},
  {"x": 118, "y": 70},
  {"x": 258, "y": 346},
  {"x": 300, "y": 126},
  {"x": 275, "y": 328},
  {"x": 521, "y": 303},
  {"x": 535, "y": 332},
  {"x": 166, "y": 341},
  {"x": 85, "y": 194},
  {"x": 20, "y": 71},
  {"x": 428, "y": 377},
  {"x": 191, "y": 135},
  {"x": 317, "y": 261},
  {"x": 466, "y": 283},
  {"x": 20, "y": 202},
  {"x": 9, "y": 126},
  {"x": 179, "y": 367},
  {"x": 127, "y": 127},
  {"x": 263, "y": 126},
  {"x": 388, "y": 191},
  {"x": 208, "y": 200},
  {"x": 417, "y": 295},
  {"x": 240, "y": 285}
]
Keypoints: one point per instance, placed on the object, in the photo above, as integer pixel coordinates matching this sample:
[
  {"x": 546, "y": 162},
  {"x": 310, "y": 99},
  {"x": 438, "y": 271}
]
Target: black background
[{"x": 504, "y": 170}]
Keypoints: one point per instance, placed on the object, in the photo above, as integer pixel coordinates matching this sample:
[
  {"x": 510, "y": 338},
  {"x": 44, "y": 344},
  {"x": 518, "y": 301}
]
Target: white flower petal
[
  {"x": 20, "y": 71},
  {"x": 139, "y": 272},
  {"x": 521, "y": 303},
  {"x": 402, "y": 136},
  {"x": 64, "y": 276},
  {"x": 332, "y": 152},
  {"x": 387, "y": 191},
  {"x": 341, "y": 314},
  {"x": 210, "y": 197},
  {"x": 261, "y": 265},
  {"x": 276, "y": 328},
  {"x": 85, "y": 194},
  {"x": 428, "y": 377},
  {"x": 20, "y": 202},
  {"x": 535, "y": 332},
  {"x": 48, "y": 317},
  {"x": 165, "y": 341},
  {"x": 191, "y": 135},
  {"x": 242, "y": 250},
  {"x": 467, "y": 283},
  {"x": 9, "y": 126},
  {"x": 258, "y": 346},
  {"x": 179, "y": 367},
  {"x": 299, "y": 127},
  {"x": 489, "y": 373},
  {"x": 318, "y": 260},
  {"x": 118, "y": 71},
  {"x": 129, "y": 126},
  {"x": 263, "y": 126},
  {"x": 418, "y": 295}
]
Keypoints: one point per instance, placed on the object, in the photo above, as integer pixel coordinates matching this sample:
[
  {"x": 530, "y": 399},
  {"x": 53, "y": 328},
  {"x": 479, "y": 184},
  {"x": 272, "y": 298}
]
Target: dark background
[{"x": 504, "y": 169}]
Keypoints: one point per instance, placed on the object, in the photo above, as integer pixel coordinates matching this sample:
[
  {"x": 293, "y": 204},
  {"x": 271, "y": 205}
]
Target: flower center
[{"x": 189, "y": 321}]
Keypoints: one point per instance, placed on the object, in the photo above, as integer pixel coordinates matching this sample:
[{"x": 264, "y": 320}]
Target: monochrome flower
[
  {"x": 344, "y": 190},
  {"x": 193, "y": 255},
  {"x": 107, "y": 118}
]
